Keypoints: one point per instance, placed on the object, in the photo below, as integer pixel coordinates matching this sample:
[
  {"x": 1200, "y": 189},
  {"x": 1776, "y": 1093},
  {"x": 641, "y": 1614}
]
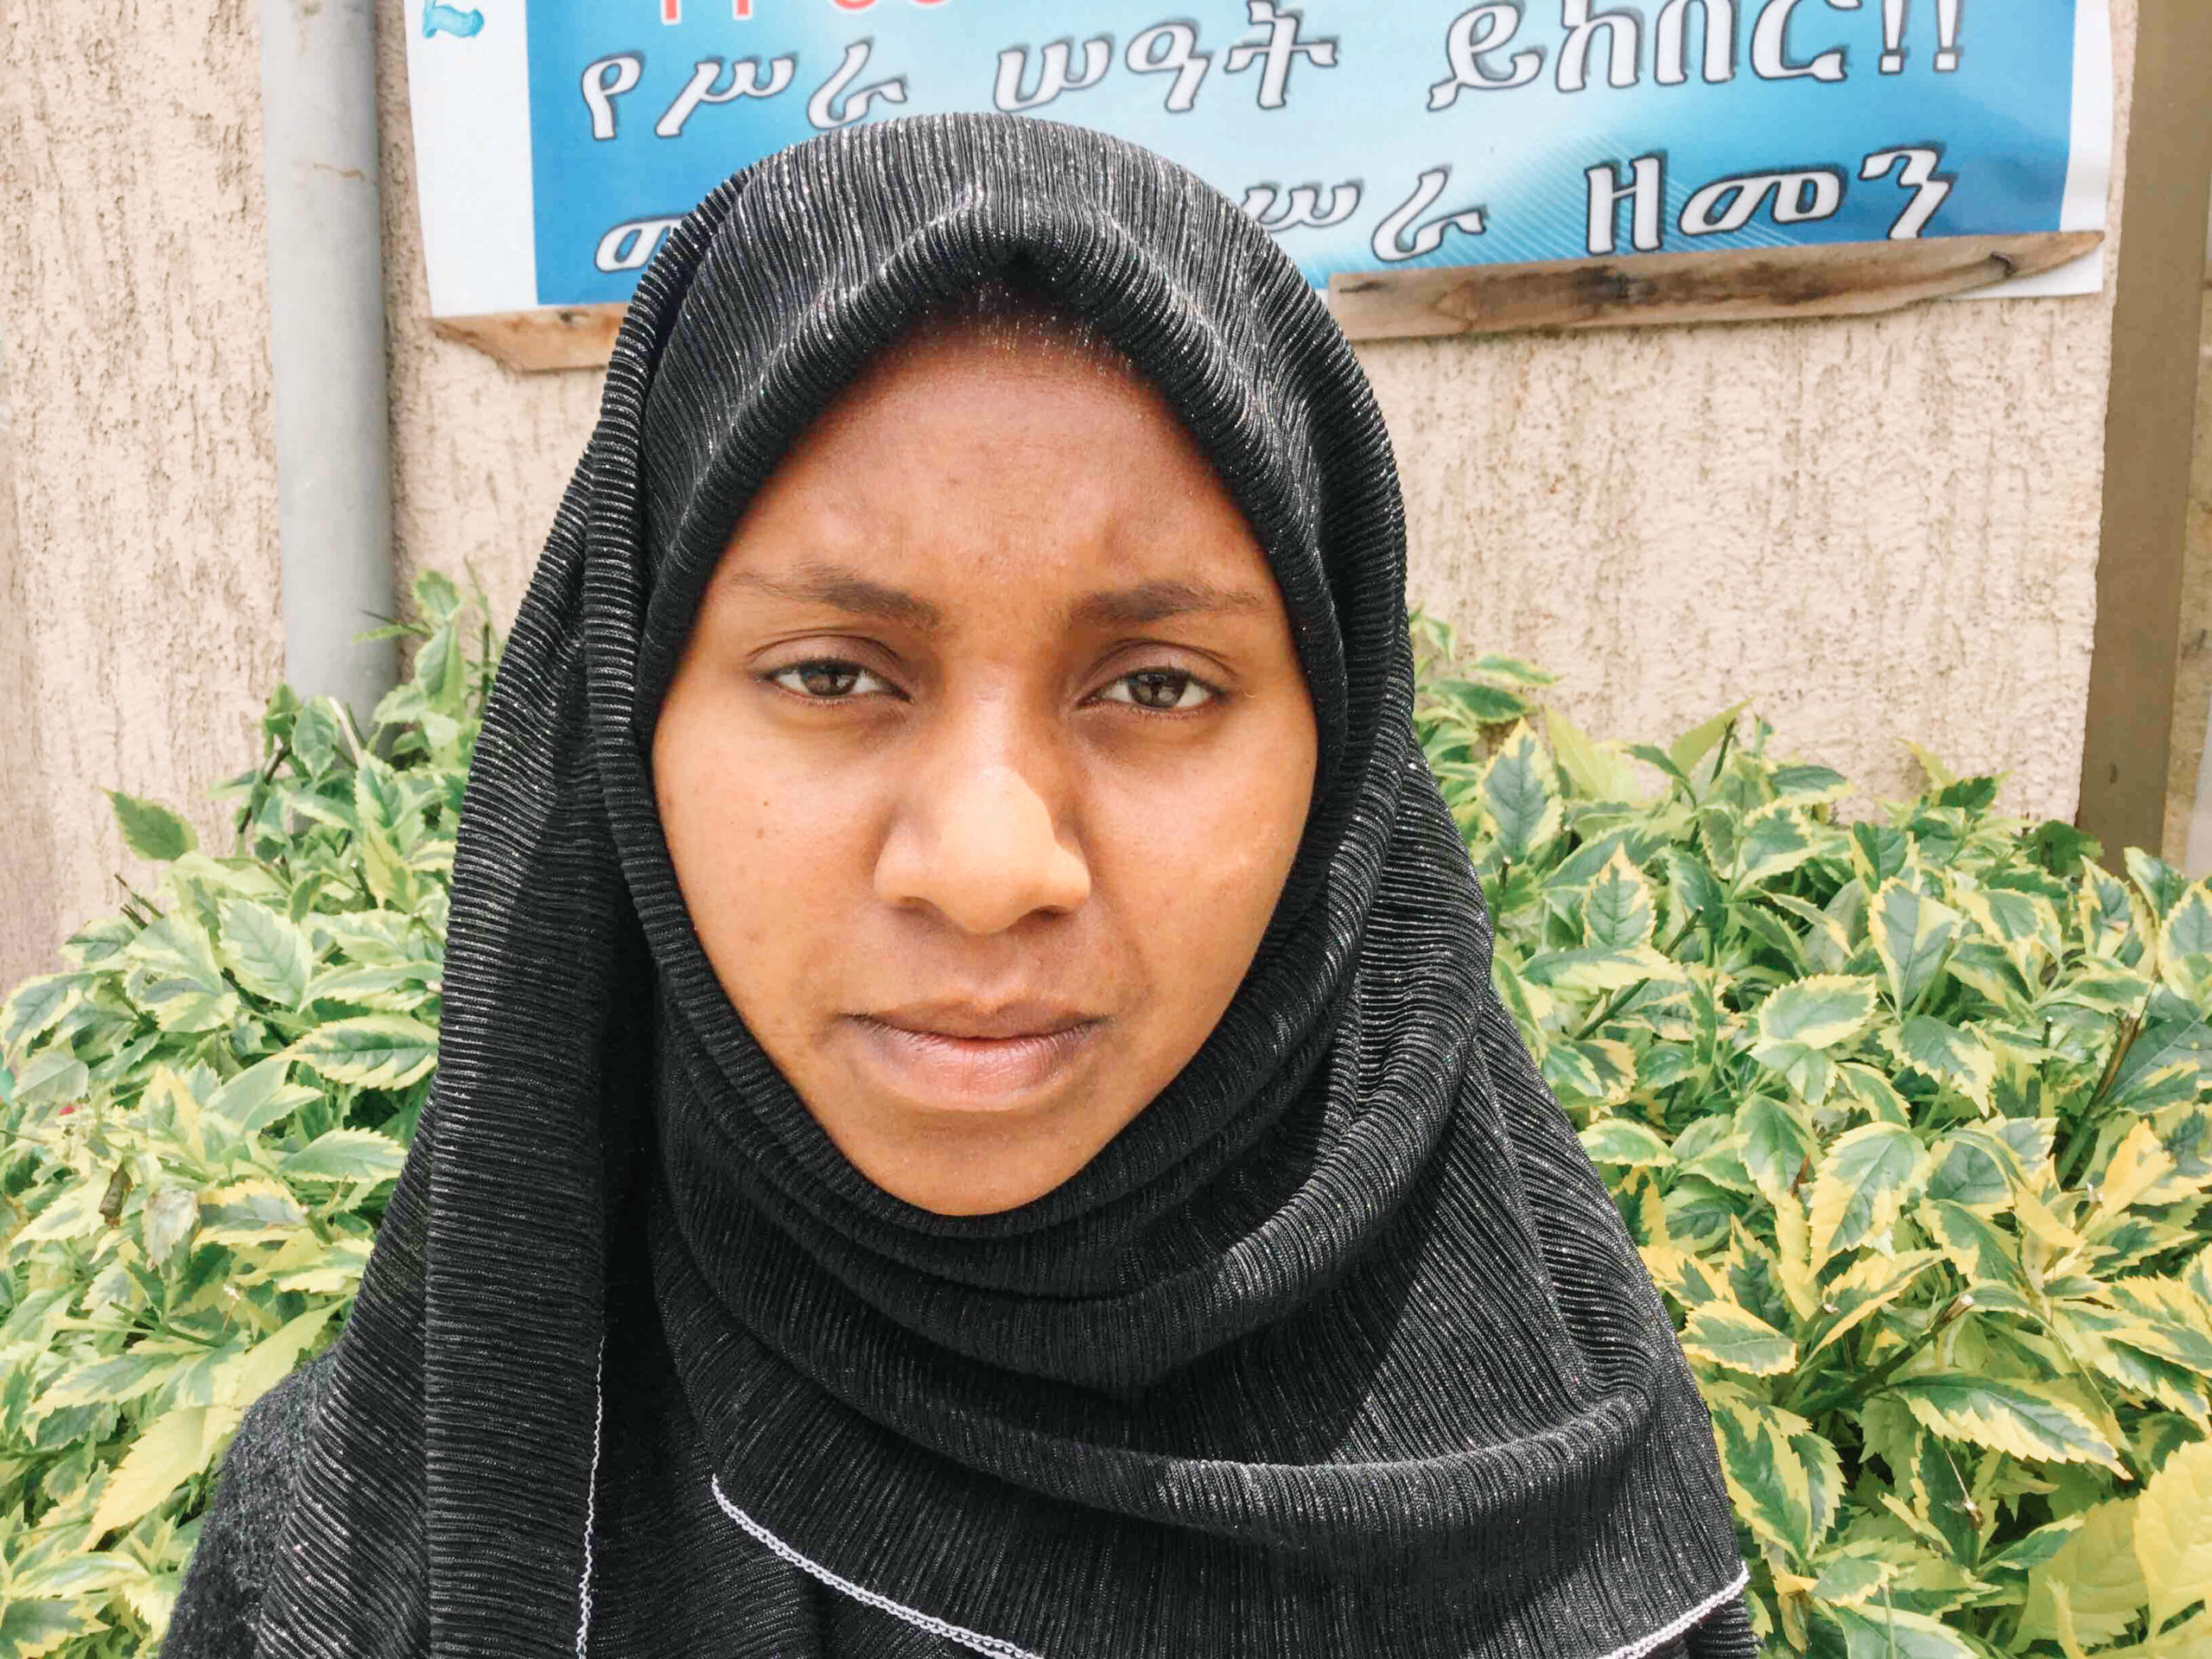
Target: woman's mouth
[{"x": 968, "y": 1059}]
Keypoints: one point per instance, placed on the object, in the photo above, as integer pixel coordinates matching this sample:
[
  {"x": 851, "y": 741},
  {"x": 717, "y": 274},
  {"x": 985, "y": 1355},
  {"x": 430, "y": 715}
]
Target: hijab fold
[{"x": 1340, "y": 1348}]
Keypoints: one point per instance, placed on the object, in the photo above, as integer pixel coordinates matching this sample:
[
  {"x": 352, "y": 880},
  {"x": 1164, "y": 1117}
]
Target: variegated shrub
[
  {"x": 1909, "y": 1115},
  {"x": 206, "y": 1109}
]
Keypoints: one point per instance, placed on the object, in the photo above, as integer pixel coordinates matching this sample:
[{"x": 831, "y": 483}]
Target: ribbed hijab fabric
[{"x": 1338, "y": 1349}]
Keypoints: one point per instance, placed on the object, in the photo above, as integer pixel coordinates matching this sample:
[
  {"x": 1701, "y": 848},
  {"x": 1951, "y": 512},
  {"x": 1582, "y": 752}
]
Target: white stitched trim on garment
[
  {"x": 966, "y": 1638},
  {"x": 591, "y": 1498},
  {"x": 1659, "y": 1638}
]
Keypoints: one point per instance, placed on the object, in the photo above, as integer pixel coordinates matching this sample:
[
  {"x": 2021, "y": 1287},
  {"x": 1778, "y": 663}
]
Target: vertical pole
[
  {"x": 326, "y": 345},
  {"x": 2148, "y": 431}
]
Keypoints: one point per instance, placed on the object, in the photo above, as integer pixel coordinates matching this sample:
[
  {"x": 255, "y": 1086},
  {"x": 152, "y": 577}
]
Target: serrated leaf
[
  {"x": 374, "y": 1050},
  {"x": 1947, "y": 1053},
  {"x": 1872, "y": 1284},
  {"x": 2022, "y": 1420},
  {"x": 1617, "y": 911},
  {"x": 1693, "y": 746},
  {"x": 1588, "y": 970},
  {"x": 1869, "y": 1175},
  {"x": 269, "y": 954},
  {"x": 1876, "y": 1632},
  {"x": 1600, "y": 771},
  {"x": 149, "y": 829},
  {"x": 1982, "y": 1252},
  {"x": 1818, "y": 1012},
  {"x": 345, "y": 1155},
  {"x": 109, "y": 1382},
  {"x": 251, "y": 1211},
  {"x": 31, "y": 1629},
  {"x": 1775, "y": 1144},
  {"x": 1776, "y": 841},
  {"x": 2173, "y": 1532},
  {"x": 36, "y": 1005},
  {"x": 1518, "y": 792},
  {"x": 268, "y": 1362},
  {"x": 1910, "y": 932},
  {"x": 167, "y": 1452},
  {"x": 1621, "y": 1140},
  {"x": 1595, "y": 1070},
  {"x": 1727, "y": 1335},
  {"x": 171, "y": 1213},
  {"x": 2097, "y": 1570}
]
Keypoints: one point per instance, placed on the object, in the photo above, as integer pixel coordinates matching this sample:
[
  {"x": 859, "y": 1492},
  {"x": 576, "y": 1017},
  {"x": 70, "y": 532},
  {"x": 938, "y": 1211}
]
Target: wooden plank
[
  {"x": 1846, "y": 279},
  {"x": 1839, "y": 279},
  {"x": 551, "y": 337}
]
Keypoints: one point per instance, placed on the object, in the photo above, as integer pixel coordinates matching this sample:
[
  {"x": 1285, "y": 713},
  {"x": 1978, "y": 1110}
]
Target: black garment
[{"x": 1340, "y": 1348}]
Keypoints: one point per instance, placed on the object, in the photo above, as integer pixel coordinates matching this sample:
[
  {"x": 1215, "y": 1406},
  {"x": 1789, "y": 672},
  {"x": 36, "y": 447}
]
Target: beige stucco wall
[{"x": 1878, "y": 528}]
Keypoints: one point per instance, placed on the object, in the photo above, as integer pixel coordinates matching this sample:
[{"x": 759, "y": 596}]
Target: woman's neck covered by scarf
[{"x": 1340, "y": 1348}]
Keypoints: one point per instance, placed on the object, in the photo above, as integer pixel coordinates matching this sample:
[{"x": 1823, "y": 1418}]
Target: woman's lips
[{"x": 973, "y": 1074}]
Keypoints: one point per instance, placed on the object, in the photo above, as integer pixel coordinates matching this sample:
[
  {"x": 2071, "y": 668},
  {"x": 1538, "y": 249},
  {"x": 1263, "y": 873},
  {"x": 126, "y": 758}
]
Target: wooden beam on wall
[
  {"x": 1837, "y": 280},
  {"x": 2148, "y": 431}
]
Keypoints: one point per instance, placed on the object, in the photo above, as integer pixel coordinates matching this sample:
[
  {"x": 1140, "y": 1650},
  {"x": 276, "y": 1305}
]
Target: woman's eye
[
  {"x": 827, "y": 680},
  {"x": 1161, "y": 688}
]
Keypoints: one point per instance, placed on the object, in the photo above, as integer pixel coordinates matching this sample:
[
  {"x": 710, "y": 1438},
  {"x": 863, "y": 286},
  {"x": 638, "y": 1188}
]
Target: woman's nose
[{"x": 979, "y": 843}]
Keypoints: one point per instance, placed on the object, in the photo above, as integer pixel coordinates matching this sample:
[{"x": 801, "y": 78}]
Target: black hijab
[{"x": 1340, "y": 1348}]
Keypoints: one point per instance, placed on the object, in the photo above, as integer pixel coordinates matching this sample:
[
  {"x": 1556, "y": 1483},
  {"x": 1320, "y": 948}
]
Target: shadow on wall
[{"x": 28, "y": 924}]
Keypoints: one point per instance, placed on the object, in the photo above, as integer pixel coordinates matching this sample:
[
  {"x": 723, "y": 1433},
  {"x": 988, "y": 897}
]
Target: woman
[{"x": 971, "y": 1114}]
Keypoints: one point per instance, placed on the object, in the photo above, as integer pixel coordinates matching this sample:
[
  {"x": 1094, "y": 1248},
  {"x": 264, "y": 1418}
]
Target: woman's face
[{"x": 985, "y": 764}]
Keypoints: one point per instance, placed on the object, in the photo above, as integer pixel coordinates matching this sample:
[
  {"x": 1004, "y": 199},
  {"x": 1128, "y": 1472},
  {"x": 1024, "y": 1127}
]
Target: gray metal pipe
[{"x": 327, "y": 345}]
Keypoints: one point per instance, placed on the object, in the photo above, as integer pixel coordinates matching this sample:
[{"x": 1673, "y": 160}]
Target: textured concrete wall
[
  {"x": 132, "y": 297},
  {"x": 1879, "y": 529}
]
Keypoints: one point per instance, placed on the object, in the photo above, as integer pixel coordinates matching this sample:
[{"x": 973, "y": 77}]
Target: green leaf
[
  {"x": 267, "y": 951},
  {"x": 1518, "y": 791},
  {"x": 1873, "y": 1283},
  {"x": 2173, "y": 1532},
  {"x": 1598, "y": 771},
  {"x": 1820, "y": 1012},
  {"x": 374, "y": 1050},
  {"x": 1727, "y": 1335},
  {"x": 1595, "y": 970},
  {"x": 2022, "y": 1420},
  {"x": 1621, "y": 1140},
  {"x": 109, "y": 1382},
  {"x": 171, "y": 1213},
  {"x": 30, "y": 1629},
  {"x": 1776, "y": 841},
  {"x": 167, "y": 1453},
  {"x": 1910, "y": 932},
  {"x": 1591, "y": 1069},
  {"x": 1617, "y": 912},
  {"x": 1876, "y": 1632},
  {"x": 1513, "y": 669},
  {"x": 1949, "y": 1055},
  {"x": 1868, "y": 1177},
  {"x": 1939, "y": 775},
  {"x": 2062, "y": 850},
  {"x": 36, "y": 1005},
  {"x": 1698, "y": 742},
  {"x": 1775, "y": 1144},
  {"x": 345, "y": 1155},
  {"x": 2157, "y": 881},
  {"x": 151, "y": 830},
  {"x": 2098, "y": 1570},
  {"x": 1982, "y": 1252}
]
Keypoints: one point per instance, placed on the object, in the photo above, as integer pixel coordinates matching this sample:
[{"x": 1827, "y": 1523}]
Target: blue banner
[{"x": 1366, "y": 136}]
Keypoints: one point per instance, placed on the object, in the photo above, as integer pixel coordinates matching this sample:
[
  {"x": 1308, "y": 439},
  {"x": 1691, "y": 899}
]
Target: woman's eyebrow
[
  {"x": 1154, "y": 602},
  {"x": 844, "y": 589}
]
